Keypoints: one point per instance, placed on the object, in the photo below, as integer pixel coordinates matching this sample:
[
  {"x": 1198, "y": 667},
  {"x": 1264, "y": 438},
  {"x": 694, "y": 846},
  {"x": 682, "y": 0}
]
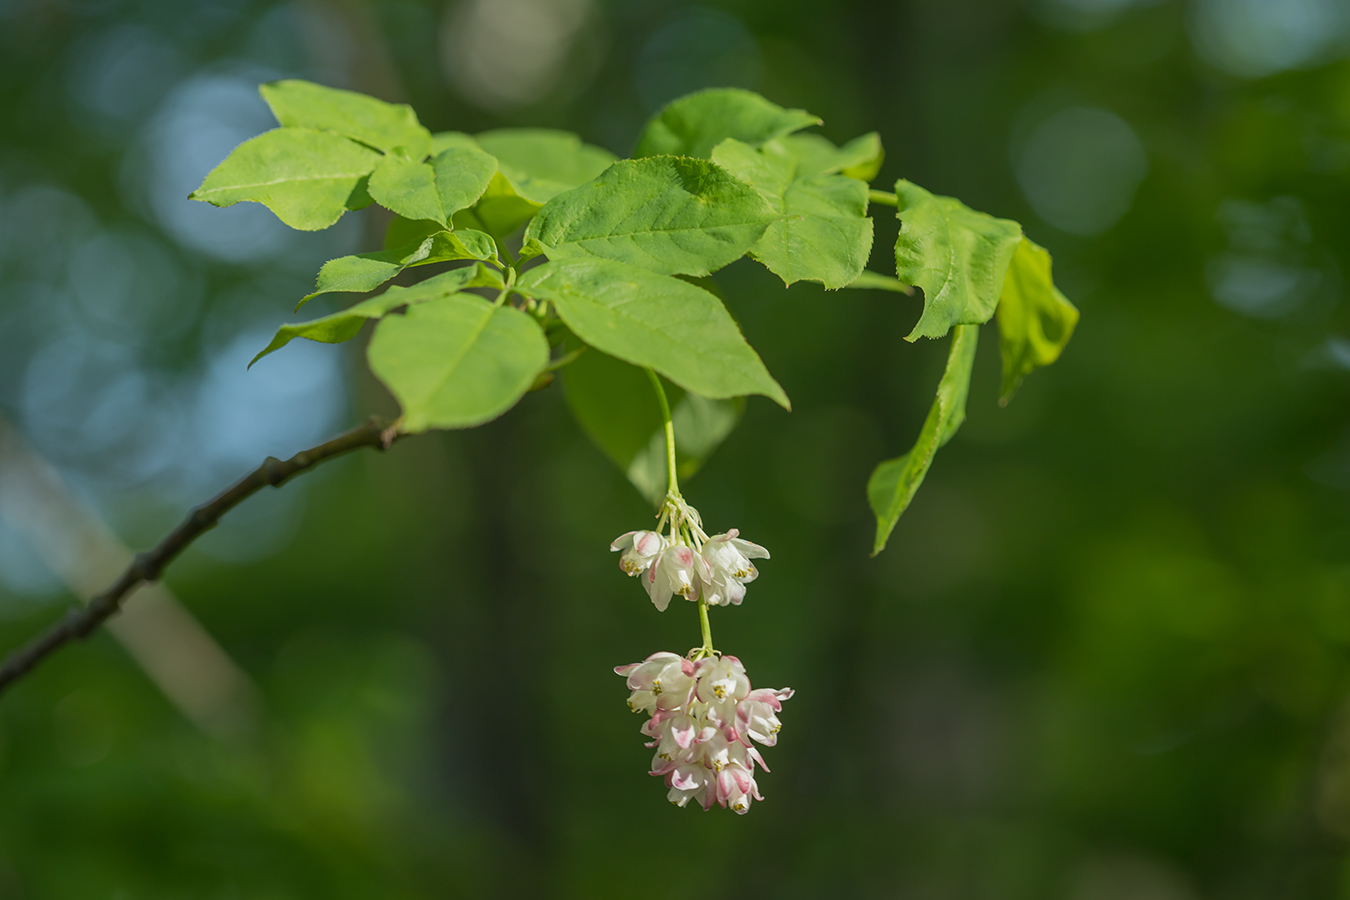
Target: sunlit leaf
[
  {"x": 434, "y": 190},
  {"x": 391, "y": 127},
  {"x": 541, "y": 162},
  {"x": 662, "y": 323},
  {"x": 308, "y": 178},
  {"x": 694, "y": 124},
  {"x": 500, "y": 211},
  {"x": 957, "y": 255},
  {"x": 893, "y": 484},
  {"x": 1035, "y": 320},
  {"x": 344, "y": 325},
  {"x": 615, "y": 406},
  {"x": 367, "y": 271},
  {"x": 457, "y": 361},
  {"x": 669, "y": 215},
  {"x": 816, "y": 154},
  {"x": 823, "y": 233}
]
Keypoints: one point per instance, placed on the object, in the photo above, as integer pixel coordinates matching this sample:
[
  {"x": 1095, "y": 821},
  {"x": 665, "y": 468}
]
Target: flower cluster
[
  {"x": 703, "y": 715},
  {"x": 689, "y": 563}
]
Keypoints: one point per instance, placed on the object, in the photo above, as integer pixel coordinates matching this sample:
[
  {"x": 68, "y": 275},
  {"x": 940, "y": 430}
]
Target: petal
[
  {"x": 623, "y": 541},
  {"x": 749, "y": 550}
]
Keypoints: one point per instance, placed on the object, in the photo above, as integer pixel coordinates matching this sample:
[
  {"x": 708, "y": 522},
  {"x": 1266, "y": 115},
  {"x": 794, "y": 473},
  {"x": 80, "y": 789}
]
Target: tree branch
[{"x": 147, "y": 567}]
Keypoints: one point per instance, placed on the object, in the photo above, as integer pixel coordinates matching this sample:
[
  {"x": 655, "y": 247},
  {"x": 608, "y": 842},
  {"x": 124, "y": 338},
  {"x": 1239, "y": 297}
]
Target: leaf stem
[
  {"x": 673, "y": 484},
  {"x": 510, "y": 280},
  {"x": 884, "y": 198}
]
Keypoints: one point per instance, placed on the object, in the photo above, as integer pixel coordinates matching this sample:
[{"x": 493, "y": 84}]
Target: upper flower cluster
[
  {"x": 703, "y": 716},
  {"x": 689, "y": 563}
]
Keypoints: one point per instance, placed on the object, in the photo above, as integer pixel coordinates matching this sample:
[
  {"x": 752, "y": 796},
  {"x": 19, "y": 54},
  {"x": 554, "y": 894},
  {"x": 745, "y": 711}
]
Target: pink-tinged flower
[
  {"x": 670, "y": 574},
  {"x": 659, "y": 683},
  {"x": 756, "y": 715},
  {"x": 703, "y": 716},
  {"x": 639, "y": 549},
  {"x": 726, "y": 568}
]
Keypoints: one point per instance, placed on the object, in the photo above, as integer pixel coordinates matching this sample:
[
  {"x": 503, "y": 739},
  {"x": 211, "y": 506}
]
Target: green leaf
[
  {"x": 306, "y": 177},
  {"x": 367, "y": 271},
  {"x": 877, "y": 282},
  {"x": 391, "y": 127},
  {"x": 541, "y": 163},
  {"x": 695, "y": 123},
  {"x": 344, "y": 325},
  {"x": 500, "y": 210},
  {"x": 893, "y": 484},
  {"x": 445, "y": 140},
  {"x": 824, "y": 233},
  {"x": 662, "y": 323},
  {"x": 860, "y": 158},
  {"x": 1035, "y": 320},
  {"x": 613, "y": 403},
  {"x": 452, "y": 180},
  {"x": 958, "y": 256},
  {"x": 672, "y": 216},
  {"x": 457, "y": 362}
]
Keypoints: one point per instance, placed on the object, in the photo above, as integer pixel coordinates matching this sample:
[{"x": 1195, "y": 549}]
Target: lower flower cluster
[{"x": 703, "y": 715}]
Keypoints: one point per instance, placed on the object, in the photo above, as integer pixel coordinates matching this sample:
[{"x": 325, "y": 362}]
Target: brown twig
[{"x": 147, "y": 567}]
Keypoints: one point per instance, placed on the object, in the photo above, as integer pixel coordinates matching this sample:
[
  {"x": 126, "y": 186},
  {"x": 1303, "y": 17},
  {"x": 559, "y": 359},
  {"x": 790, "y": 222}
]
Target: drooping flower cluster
[
  {"x": 703, "y": 715},
  {"x": 689, "y": 563}
]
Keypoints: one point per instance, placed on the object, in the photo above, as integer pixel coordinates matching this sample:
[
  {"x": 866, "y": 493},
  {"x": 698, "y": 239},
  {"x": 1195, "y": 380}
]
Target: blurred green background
[{"x": 1104, "y": 658}]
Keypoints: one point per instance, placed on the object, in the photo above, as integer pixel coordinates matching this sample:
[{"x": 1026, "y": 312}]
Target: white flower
[
  {"x": 702, "y": 742},
  {"x": 639, "y": 549},
  {"x": 671, "y": 573},
  {"x": 659, "y": 683},
  {"x": 726, "y": 568}
]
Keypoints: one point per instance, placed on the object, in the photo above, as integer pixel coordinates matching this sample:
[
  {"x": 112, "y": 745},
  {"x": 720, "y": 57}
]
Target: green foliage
[
  {"x": 541, "y": 163},
  {"x": 457, "y": 361},
  {"x": 823, "y": 233},
  {"x": 344, "y": 325},
  {"x": 1035, "y": 320},
  {"x": 435, "y": 190},
  {"x": 367, "y": 271},
  {"x": 693, "y": 125},
  {"x": 650, "y": 320},
  {"x": 860, "y": 158},
  {"x": 958, "y": 256},
  {"x": 894, "y": 482},
  {"x": 719, "y": 174},
  {"x": 670, "y": 215},
  {"x": 389, "y": 127},
  {"x": 307, "y": 177},
  {"x": 612, "y": 402}
]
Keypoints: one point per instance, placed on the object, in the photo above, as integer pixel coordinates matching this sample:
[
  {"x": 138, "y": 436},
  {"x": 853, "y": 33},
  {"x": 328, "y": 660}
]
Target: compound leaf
[
  {"x": 894, "y": 482},
  {"x": 613, "y": 404},
  {"x": 1035, "y": 320},
  {"x": 824, "y": 233},
  {"x": 541, "y": 163},
  {"x": 662, "y": 323},
  {"x": 671, "y": 215},
  {"x": 367, "y": 271},
  {"x": 458, "y": 361},
  {"x": 344, "y": 325},
  {"x": 434, "y": 190},
  {"x": 391, "y": 127},
  {"x": 695, "y": 123},
  {"x": 307, "y": 177},
  {"x": 957, "y": 255}
]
